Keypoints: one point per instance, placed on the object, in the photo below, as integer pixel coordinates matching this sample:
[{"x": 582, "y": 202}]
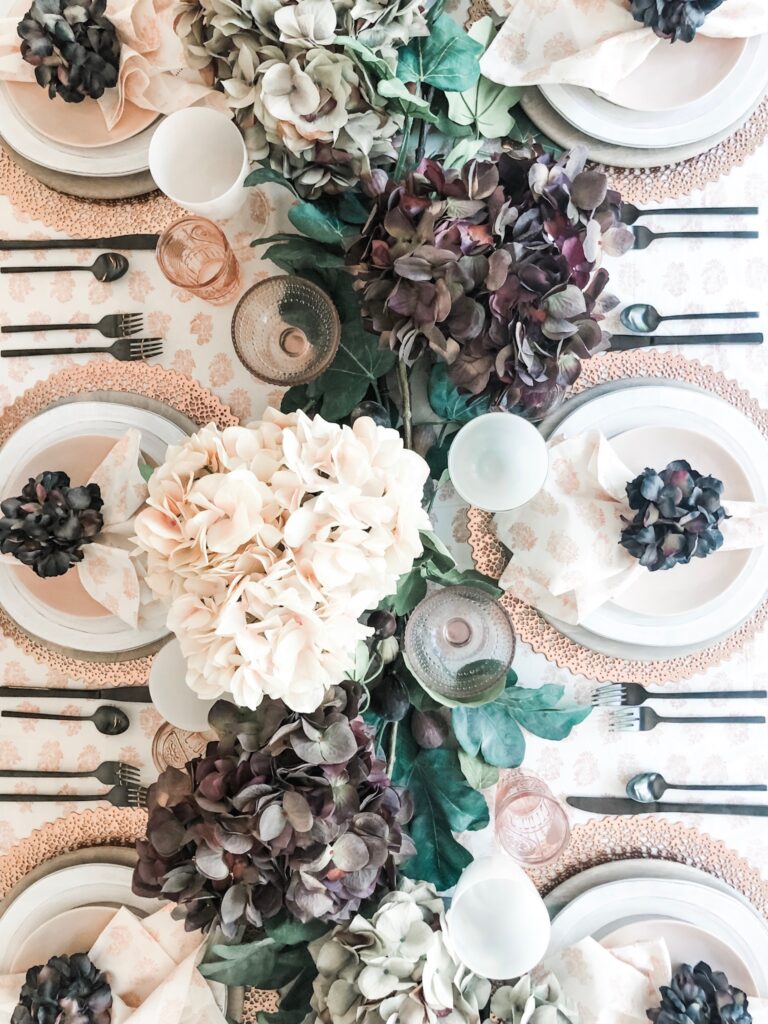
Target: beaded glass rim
[
  {"x": 490, "y": 557},
  {"x": 173, "y": 389}
]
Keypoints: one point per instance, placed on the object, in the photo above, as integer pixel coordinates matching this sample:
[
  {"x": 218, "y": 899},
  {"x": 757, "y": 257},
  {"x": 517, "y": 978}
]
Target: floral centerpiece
[{"x": 270, "y": 541}]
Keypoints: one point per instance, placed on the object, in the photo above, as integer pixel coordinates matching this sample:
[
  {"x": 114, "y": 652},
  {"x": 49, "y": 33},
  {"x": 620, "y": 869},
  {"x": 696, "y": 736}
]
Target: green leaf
[
  {"x": 146, "y": 470},
  {"x": 435, "y": 552},
  {"x": 287, "y": 931},
  {"x": 358, "y": 363},
  {"x": 295, "y": 254},
  {"x": 263, "y": 175},
  {"x": 551, "y": 723},
  {"x": 446, "y": 58},
  {"x": 404, "y": 101},
  {"x": 411, "y": 588},
  {"x": 464, "y": 578},
  {"x": 352, "y": 209},
  {"x": 444, "y": 803},
  {"x": 477, "y": 773},
  {"x": 264, "y": 964},
  {"x": 318, "y": 224},
  {"x": 447, "y": 401},
  {"x": 448, "y": 127},
  {"x": 366, "y": 55},
  {"x": 491, "y": 732},
  {"x": 437, "y": 457},
  {"x": 464, "y": 150},
  {"x": 486, "y": 105},
  {"x": 295, "y": 398}
]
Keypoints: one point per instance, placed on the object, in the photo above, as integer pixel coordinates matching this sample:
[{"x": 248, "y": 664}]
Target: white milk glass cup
[
  {"x": 498, "y": 462},
  {"x": 197, "y": 157},
  {"x": 497, "y": 923}
]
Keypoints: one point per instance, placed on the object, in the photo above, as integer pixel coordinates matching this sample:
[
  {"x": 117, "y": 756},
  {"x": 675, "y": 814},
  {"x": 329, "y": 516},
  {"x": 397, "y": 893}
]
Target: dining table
[{"x": 676, "y": 276}]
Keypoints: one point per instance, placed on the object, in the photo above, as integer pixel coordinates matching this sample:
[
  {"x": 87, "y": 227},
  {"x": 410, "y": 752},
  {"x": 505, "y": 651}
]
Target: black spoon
[
  {"x": 643, "y": 317},
  {"x": 110, "y": 266},
  {"x": 644, "y": 237},
  {"x": 630, "y": 213},
  {"x": 650, "y": 786},
  {"x": 108, "y": 720}
]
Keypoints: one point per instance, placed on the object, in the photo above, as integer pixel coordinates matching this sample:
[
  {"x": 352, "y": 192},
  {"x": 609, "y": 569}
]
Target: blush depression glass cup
[
  {"x": 194, "y": 254},
  {"x": 531, "y": 824},
  {"x": 197, "y": 157}
]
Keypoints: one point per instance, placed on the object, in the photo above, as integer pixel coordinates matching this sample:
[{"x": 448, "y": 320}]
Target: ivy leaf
[
  {"x": 265, "y": 175},
  {"x": 464, "y": 150},
  {"x": 448, "y": 402},
  {"x": 358, "y": 363},
  {"x": 287, "y": 931},
  {"x": 477, "y": 773},
  {"x": 404, "y": 101},
  {"x": 411, "y": 588},
  {"x": 490, "y": 732},
  {"x": 486, "y": 105},
  {"x": 368, "y": 57},
  {"x": 444, "y": 803},
  {"x": 352, "y": 209},
  {"x": 318, "y": 224},
  {"x": 262, "y": 964},
  {"x": 551, "y": 723},
  {"x": 447, "y": 58},
  {"x": 294, "y": 253},
  {"x": 146, "y": 470},
  {"x": 446, "y": 126},
  {"x": 435, "y": 552},
  {"x": 295, "y": 398}
]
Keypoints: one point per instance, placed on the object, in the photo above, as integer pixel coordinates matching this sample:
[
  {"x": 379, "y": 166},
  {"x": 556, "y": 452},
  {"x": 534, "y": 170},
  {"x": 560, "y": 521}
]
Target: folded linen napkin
[
  {"x": 153, "y": 72},
  {"x": 112, "y": 570},
  {"x": 567, "y": 560},
  {"x": 151, "y": 966},
  {"x": 617, "y": 986},
  {"x": 592, "y": 43}
]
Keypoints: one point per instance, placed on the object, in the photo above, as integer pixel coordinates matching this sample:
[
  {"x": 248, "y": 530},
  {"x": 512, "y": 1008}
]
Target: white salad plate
[
  {"x": 708, "y": 597},
  {"x": 102, "y": 634},
  {"x": 643, "y": 129},
  {"x": 602, "y": 910},
  {"x": 82, "y": 885}
]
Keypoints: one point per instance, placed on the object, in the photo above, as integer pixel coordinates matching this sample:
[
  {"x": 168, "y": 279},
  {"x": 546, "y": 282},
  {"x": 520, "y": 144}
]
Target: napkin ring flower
[
  {"x": 677, "y": 516},
  {"x": 673, "y": 19},
  {"x": 49, "y": 523},
  {"x": 67, "y": 988}
]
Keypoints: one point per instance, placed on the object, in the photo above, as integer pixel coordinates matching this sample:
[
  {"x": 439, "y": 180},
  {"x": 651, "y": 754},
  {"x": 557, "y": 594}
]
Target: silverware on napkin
[
  {"x": 112, "y": 242},
  {"x": 645, "y": 719},
  {"x": 113, "y": 325},
  {"x": 614, "y": 695},
  {"x": 630, "y": 213},
  {"x": 127, "y": 694},
  {"x": 127, "y": 350},
  {"x": 624, "y": 342},
  {"x": 118, "y": 796},
  {"x": 108, "y": 773},
  {"x": 644, "y": 236},
  {"x": 623, "y": 805}
]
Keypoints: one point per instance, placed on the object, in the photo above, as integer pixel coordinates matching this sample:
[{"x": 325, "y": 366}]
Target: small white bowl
[
  {"x": 497, "y": 922},
  {"x": 170, "y": 694},
  {"x": 498, "y": 462}
]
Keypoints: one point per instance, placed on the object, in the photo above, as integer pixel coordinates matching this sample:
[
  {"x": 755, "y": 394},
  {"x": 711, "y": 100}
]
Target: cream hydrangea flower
[{"x": 269, "y": 542}]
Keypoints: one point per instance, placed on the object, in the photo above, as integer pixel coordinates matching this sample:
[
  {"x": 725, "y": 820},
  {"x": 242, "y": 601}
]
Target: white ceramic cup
[
  {"x": 197, "y": 157},
  {"x": 497, "y": 923},
  {"x": 170, "y": 694},
  {"x": 498, "y": 462}
]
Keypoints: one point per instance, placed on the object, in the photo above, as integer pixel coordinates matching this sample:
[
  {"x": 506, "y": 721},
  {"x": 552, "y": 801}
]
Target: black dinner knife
[
  {"x": 622, "y": 805},
  {"x": 112, "y": 242},
  {"x": 130, "y": 694},
  {"x": 625, "y": 342}
]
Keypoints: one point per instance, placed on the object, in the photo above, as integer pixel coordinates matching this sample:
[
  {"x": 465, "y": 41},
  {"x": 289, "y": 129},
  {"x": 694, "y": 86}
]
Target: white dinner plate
[
  {"x": 104, "y": 634},
  {"x": 706, "y": 612},
  {"x": 602, "y": 909},
  {"x": 82, "y": 885},
  {"x": 601, "y": 119}
]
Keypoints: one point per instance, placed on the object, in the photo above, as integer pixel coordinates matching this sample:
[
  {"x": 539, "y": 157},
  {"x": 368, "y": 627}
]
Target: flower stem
[
  {"x": 392, "y": 749},
  {"x": 405, "y": 394},
  {"x": 421, "y": 144},
  {"x": 403, "y": 154}
]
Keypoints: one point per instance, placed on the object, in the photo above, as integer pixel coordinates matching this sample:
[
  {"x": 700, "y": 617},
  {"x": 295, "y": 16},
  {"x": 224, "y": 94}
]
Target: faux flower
[
  {"x": 283, "y": 811},
  {"x": 397, "y": 966},
  {"x": 269, "y": 542},
  {"x": 493, "y": 269},
  {"x": 304, "y": 100}
]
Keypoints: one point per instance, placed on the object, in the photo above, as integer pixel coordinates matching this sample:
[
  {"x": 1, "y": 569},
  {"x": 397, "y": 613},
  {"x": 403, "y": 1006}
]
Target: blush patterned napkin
[
  {"x": 567, "y": 560},
  {"x": 112, "y": 570},
  {"x": 616, "y": 986},
  {"x": 591, "y": 43},
  {"x": 151, "y": 966},
  {"x": 153, "y": 73}
]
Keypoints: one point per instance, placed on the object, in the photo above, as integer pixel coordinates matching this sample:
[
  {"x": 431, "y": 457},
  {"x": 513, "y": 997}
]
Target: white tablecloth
[{"x": 675, "y": 276}]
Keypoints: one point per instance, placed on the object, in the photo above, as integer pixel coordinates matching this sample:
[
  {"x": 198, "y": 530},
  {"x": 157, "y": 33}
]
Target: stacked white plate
[
  {"x": 700, "y": 917},
  {"x": 668, "y": 613},
  {"x": 24, "y": 454},
  {"x": 680, "y": 95}
]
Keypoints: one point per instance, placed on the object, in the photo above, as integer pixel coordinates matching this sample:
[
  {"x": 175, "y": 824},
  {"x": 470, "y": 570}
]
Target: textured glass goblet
[
  {"x": 286, "y": 330},
  {"x": 531, "y": 824},
  {"x": 459, "y": 643}
]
